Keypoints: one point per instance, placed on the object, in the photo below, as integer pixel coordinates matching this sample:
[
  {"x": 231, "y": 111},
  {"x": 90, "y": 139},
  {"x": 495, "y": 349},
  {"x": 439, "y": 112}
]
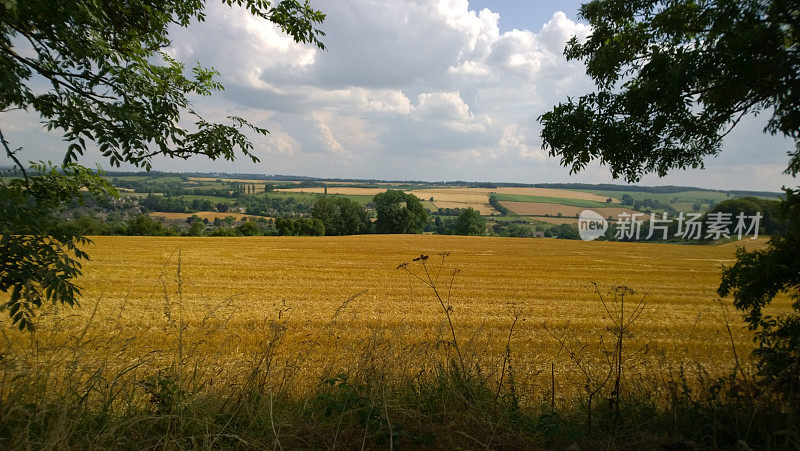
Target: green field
[
  {"x": 691, "y": 197},
  {"x": 553, "y": 200}
]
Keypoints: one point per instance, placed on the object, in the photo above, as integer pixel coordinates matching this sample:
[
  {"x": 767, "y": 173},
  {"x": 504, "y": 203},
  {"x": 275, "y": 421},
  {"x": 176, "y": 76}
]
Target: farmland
[
  {"x": 509, "y": 210},
  {"x": 333, "y": 293}
]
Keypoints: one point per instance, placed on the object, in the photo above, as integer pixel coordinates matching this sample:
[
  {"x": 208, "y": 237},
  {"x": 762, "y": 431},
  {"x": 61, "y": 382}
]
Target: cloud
[{"x": 409, "y": 89}]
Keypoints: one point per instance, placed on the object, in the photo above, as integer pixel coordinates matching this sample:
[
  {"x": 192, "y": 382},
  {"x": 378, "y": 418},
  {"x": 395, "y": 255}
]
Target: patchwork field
[
  {"x": 152, "y": 298},
  {"x": 541, "y": 209},
  {"x": 483, "y": 208}
]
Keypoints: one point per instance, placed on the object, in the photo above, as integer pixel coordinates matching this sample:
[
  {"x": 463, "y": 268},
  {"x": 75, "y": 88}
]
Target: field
[
  {"x": 335, "y": 292},
  {"x": 292, "y": 342},
  {"x": 541, "y": 209}
]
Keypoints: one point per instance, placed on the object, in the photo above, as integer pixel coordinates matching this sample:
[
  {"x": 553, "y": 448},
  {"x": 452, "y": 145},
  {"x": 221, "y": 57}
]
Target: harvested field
[
  {"x": 332, "y": 293},
  {"x": 541, "y": 209},
  {"x": 548, "y": 192},
  {"x": 483, "y": 208}
]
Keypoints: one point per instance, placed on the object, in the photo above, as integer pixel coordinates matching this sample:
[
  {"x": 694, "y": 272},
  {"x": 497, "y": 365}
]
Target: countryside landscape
[{"x": 164, "y": 287}]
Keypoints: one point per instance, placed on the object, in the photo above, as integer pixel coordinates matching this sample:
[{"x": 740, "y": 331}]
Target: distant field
[
  {"x": 465, "y": 195},
  {"x": 554, "y": 219},
  {"x": 689, "y": 197},
  {"x": 261, "y": 182},
  {"x": 336, "y": 190},
  {"x": 553, "y": 200},
  {"x": 483, "y": 207},
  {"x": 333, "y": 293},
  {"x": 555, "y": 193},
  {"x": 541, "y": 209}
]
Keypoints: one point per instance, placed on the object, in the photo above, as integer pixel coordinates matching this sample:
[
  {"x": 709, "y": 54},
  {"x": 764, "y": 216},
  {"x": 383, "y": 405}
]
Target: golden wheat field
[{"x": 333, "y": 297}]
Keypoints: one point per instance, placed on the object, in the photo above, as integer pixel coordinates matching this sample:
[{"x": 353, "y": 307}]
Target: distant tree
[
  {"x": 248, "y": 228},
  {"x": 497, "y": 205},
  {"x": 196, "y": 226},
  {"x": 695, "y": 207},
  {"x": 144, "y": 225},
  {"x": 627, "y": 199},
  {"x": 310, "y": 227},
  {"x": 609, "y": 200},
  {"x": 300, "y": 227},
  {"x": 470, "y": 222},
  {"x": 563, "y": 231},
  {"x": 341, "y": 215},
  {"x": 399, "y": 212},
  {"x": 269, "y": 187}
]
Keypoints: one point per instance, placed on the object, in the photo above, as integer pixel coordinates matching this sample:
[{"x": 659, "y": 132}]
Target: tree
[
  {"x": 770, "y": 222},
  {"x": 754, "y": 281},
  {"x": 341, "y": 215},
  {"x": 144, "y": 225},
  {"x": 470, "y": 222},
  {"x": 673, "y": 79},
  {"x": 196, "y": 226},
  {"x": 109, "y": 82},
  {"x": 399, "y": 212},
  {"x": 300, "y": 227},
  {"x": 39, "y": 254},
  {"x": 248, "y": 228},
  {"x": 564, "y": 232},
  {"x": 627, "y": 199}
]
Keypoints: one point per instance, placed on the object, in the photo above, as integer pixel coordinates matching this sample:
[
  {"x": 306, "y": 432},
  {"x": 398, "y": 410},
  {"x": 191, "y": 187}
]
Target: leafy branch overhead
[
  {"x": 111, "y": 82},
  {"x": 39, "y": 257},
  {"x": 97, "y": 71},
  {"x": 673, "y": 78}
]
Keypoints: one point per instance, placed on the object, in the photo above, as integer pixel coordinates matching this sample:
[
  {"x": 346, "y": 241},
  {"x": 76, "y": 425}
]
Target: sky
[{"x": 409, "y": 90}]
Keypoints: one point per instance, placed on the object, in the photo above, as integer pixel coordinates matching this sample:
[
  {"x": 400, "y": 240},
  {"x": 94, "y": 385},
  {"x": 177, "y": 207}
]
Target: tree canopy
[
  {"x": 673, "y": 78},
  {"x": 341, "y": 215},
  {"x": 97, "y": 73},
  {"x": 399, "y": 212},
  {"x": 470, "y": 222}
]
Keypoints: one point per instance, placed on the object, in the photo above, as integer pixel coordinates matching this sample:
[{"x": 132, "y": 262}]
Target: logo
[{"x": 591, "y": 225}]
